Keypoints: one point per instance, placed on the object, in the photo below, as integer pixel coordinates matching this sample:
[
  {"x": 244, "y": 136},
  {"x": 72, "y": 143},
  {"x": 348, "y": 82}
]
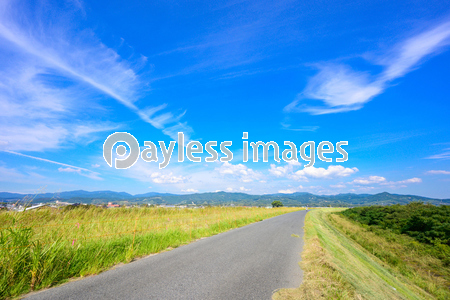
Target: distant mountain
[
  {"x": 80, "y": 194},
  {"x": 153, "y": 194},
  {"x": 6, "y": 195},
  {"x": 99, "y": 195},
  {"x": 223, "y": 198}
]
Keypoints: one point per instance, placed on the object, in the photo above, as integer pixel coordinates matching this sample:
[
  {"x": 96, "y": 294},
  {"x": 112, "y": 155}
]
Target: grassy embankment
[
  {"x": 343, "y": 259},
  {"x": 41, "y": 248}
]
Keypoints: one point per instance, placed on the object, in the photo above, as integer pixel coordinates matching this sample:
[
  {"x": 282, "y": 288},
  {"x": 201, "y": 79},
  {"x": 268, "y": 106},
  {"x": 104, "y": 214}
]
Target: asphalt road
[{"x": 250, "y": 262}]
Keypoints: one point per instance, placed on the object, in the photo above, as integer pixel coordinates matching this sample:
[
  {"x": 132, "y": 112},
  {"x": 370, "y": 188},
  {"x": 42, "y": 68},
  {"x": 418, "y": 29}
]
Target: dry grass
[{"x": 321, "y": 278}]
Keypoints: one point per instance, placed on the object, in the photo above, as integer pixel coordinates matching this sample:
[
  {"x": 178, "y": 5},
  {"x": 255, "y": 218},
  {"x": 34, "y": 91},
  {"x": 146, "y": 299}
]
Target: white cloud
[
  {"x": 84, "y": 130},
  {"x": 69, "y": 168},
  {"x": 50, "y": 76},
  {"x": 190, "y": 191},
  {"x": 82, "y": 172},
  {"x": 365, "y": 188},
  {"x": 342, "y": 89},
  {"x": 408, "y": 55},
  {"x": 441, "y": 172},
  {"x": 287, "y": 126},
  {"x": 8, "y": 174},
  {"x": 401, "y": 183},
  {"x": 243, "y": 189},
  {"x": 338, "y": 186},
  {"x": 45, "y": 160},
  {"x": 150, "y": 173},
  {"x": 411, "y": 180},
  {"x": 22, "y": 176},
  {"x": 304, "y": 174},
  {"x": 287, "y": 191},
  {"x": 240, "y": 171},
  {"x": 280, "y": 171},
  {"x": 330, "y": 172},
  {"x": 444, "y": 155},
  {"x": 364, "y": 183},
  {"x": 36, "y": 137},
  {"x": 369, "y": 180},
  {"x": 167, "y": 178}
]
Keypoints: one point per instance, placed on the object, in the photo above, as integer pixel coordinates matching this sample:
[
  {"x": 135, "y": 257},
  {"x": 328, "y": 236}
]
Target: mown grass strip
[
  {"x": 321, "y": 278},
  {"x": 337, "y": 267}
]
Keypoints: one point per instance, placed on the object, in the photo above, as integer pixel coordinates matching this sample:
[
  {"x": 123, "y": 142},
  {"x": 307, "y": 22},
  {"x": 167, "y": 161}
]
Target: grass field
[
  {"x": 41, "y": 248},
  {"x": 337, "y": 264}
]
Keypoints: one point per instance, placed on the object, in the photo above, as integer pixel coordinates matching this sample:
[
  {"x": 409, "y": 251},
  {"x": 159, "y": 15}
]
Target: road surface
[{"x": 250, "y": 262}]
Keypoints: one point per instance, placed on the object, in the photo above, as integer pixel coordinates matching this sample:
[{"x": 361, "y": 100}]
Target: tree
[{"x": 277, "y": 203}]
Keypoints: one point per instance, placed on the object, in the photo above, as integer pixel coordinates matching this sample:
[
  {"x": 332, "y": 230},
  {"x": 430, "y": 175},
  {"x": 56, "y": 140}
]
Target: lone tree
[{"x": 277, "y": 203}]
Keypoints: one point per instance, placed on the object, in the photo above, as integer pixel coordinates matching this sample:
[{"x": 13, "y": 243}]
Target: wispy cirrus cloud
[
  {"x": 67, "y": 168},
  {"x": 287, "y": 126},
  {"x": 438, "y": 172},
  {"x": 340, "y": 88},
  {"x": 90, "y": 174},
  {"x": 50, "y": 75},
  {"x": 445, "y": 154}
]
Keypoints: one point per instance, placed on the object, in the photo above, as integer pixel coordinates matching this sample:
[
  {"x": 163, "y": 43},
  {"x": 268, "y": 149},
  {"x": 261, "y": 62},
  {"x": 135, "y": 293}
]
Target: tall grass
[{"x": 41, "y": 248}]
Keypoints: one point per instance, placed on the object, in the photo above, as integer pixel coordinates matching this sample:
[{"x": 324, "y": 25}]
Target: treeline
[{"x": 425, "y": 222}]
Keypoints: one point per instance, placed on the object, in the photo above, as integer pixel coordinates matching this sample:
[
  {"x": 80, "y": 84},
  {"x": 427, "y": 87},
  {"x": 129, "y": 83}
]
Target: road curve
[{"x": 250, "y": 262}]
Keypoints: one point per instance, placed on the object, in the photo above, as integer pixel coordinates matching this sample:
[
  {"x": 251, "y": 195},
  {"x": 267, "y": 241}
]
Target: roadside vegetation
[
  {"x": 424, "y": 222},
  {"x": 43, "y": 247},
  {"x": 345, "y": 259},
  {"x": 321, "y": 277},
  {"x": 413, "y": 239}
]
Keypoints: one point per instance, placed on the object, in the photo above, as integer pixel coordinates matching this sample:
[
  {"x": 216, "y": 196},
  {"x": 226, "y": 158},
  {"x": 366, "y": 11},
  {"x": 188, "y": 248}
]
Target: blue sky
[{"x": 373, "y": 73}]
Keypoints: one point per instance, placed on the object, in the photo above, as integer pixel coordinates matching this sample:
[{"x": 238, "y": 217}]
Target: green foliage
[
  {"x": 425, "y": 222},
  {"x": 420, "y": 263},
  {"x": 277, "y": 203}
]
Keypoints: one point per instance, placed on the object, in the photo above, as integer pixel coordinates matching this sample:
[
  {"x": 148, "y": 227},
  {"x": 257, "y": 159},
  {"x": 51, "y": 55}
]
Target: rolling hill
[{"x": 223, "y": 198}]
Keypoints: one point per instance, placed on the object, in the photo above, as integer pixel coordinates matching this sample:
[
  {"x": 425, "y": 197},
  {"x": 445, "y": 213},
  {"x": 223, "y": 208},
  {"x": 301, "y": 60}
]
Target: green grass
[
  {"x": 423, "y": 264},
  {"x": 41, "y": 248},
  {"x": 337, "y": 267}
]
